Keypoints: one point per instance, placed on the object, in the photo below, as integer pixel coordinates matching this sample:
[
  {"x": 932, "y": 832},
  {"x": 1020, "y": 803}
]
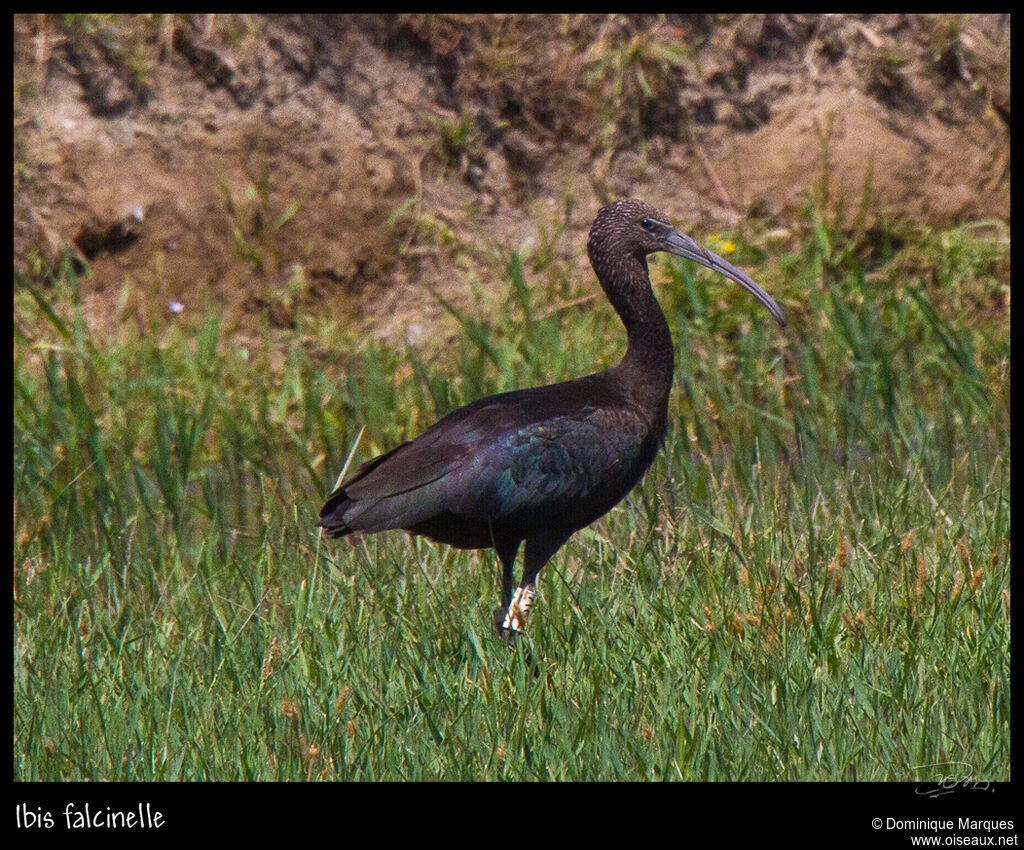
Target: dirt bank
[{"x": 356, "y": 162}]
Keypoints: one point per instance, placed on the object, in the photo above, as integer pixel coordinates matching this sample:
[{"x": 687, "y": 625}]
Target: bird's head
[{"x": 633, "y": 228}]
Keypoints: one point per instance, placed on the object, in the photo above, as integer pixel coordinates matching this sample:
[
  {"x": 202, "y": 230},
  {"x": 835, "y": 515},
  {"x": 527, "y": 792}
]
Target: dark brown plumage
[{"x": 538, "y": 464}]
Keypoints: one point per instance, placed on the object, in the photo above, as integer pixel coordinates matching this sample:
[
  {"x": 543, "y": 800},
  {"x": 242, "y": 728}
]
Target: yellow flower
[{"x": 723, "y": 246}]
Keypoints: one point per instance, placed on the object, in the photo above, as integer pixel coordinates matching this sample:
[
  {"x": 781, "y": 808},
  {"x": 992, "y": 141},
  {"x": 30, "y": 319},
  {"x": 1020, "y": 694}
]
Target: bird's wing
[
  {"x": 568, "y": 463},
  {"x": 494, "y": 459},
  {"x": 502, "y": 459},
  {"x": 395, "y": 490}
]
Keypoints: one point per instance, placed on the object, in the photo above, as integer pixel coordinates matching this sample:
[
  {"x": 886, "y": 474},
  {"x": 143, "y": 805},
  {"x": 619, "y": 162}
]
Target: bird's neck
[{"x": 645, "y": 373}]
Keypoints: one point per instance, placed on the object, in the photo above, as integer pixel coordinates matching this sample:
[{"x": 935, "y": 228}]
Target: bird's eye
[{"x": 647, "y": 224}]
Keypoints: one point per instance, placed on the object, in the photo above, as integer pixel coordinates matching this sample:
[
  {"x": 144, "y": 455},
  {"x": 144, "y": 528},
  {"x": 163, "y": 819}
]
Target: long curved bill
[{"x": 678, "y": 243}]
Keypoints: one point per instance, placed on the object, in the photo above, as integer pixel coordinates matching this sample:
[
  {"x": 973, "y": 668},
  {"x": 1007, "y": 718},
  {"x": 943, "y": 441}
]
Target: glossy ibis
[{"x": 538, "y": 464}]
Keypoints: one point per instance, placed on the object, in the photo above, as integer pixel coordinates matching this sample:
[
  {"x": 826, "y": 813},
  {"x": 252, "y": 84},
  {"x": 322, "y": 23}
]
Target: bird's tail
[{"x": 332, "y": 515}]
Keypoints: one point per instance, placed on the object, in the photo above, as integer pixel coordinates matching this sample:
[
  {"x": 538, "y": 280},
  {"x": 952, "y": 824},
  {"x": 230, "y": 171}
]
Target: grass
[{"x": 812, "y": 582}]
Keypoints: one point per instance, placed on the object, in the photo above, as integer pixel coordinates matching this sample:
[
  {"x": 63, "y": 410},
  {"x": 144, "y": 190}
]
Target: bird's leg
[
  {"x": 507, "y": 556},
  {"x": 538, "y": 552}
]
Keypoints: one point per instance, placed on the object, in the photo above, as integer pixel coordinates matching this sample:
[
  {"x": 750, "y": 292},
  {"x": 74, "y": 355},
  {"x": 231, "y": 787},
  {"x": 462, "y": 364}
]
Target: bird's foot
[{"x": 511, "y": 621}]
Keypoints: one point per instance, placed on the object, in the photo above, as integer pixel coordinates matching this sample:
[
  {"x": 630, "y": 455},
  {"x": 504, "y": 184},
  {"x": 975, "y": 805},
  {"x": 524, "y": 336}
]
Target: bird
[{"x": 536, "y": 465}]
